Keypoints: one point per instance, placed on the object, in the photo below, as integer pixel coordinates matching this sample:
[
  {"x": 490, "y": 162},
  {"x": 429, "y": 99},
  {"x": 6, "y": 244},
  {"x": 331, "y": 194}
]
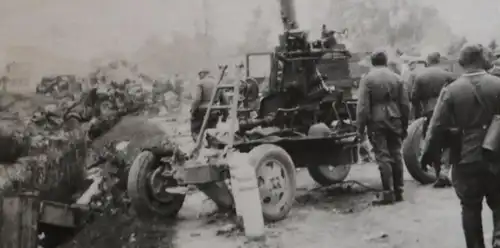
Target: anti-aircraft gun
[
  {"x": 309, "y": 78},
  {"x": 302, "y": 122}
]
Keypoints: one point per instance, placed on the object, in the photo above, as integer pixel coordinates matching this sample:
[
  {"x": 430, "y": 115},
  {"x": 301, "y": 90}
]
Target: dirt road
[
  {"x": 322, "y": 217},
  {"x": 334, "y": 218}
]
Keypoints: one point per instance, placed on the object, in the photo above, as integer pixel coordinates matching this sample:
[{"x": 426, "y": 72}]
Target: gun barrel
[{"x": 288, "y": 14}]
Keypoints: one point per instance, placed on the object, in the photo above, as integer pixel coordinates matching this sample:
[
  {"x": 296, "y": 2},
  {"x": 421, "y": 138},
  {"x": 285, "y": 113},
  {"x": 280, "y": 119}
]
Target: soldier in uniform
[
  {"x": 328, "y": 37},
  {"x": 458, "y": 111},
  {"x": 3, "y": 82},
  {"x": 383, "y": 109},
  {"x": 414, "y": 67},
  {"x": 325, "y": 33},
  {"x": 202, "y": 95},
  {"x": 252, "y": 94},
  {"x": 428, "y": 82},
  {"x": 178, "y": 86}
]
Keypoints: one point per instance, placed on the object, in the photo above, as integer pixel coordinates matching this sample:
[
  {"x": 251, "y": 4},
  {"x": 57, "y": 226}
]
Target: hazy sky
[
  {"x": 477, "y": 19},
  {"x": 87, "y": 28}
]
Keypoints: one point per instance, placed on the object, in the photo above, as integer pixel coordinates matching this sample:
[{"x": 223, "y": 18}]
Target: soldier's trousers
[
  {"x": 387, "y": 150},
  {"x": 474, "y": 182}
]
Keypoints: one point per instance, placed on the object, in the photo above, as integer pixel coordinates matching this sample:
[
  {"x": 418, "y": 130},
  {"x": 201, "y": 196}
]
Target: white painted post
[{"x": 246, "y": 195}]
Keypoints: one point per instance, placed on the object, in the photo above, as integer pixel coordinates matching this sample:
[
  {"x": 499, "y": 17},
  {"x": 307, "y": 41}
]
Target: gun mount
[{"x": 306, "y": 75}]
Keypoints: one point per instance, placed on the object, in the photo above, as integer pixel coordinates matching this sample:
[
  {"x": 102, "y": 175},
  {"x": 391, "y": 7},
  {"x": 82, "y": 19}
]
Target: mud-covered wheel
[
  {"x": 145, "y": 188},
  {"x": 276, "y": 179},
  {"x": 412, "y": 150},
  {"x": 327, "y": 175}
]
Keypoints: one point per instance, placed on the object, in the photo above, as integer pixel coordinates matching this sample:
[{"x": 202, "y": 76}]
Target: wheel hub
[
  {"x": 273, "y": 183},
  {"x": 158, "y": 185}
]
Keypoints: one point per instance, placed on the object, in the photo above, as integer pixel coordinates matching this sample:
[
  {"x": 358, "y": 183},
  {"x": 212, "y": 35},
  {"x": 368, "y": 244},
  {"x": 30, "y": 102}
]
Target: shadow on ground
[{"x": 125, "y": 231}]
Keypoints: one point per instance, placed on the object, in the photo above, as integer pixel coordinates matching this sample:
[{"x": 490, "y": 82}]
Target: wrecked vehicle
[
  {"x": 60, "y": 87},
  {"x": 51, "y": 140}
]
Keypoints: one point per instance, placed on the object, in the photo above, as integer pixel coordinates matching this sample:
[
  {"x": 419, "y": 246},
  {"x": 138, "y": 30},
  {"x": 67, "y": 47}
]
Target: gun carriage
[{"x": 306, "y": 119}]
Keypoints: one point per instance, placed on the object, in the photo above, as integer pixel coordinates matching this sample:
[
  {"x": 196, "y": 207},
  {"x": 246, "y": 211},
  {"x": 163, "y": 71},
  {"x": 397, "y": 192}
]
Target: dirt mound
[
  {"x": 126, "y": 230},
  {"x": 139, "y": 131},
  {"x": 51, "y": 160}
]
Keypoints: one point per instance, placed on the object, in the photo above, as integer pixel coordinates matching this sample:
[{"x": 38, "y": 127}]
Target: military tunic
[
  {"x": 473, "y": 178},
  {"x": 202, "y": 96},
  {"x": 251, "y": 93},
  {"x": 383, "y": 109},
  {"x": 426, "y": 87}
]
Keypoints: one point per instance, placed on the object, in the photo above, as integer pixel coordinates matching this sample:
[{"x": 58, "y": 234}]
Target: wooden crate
[{"x": 19, "y": 226}]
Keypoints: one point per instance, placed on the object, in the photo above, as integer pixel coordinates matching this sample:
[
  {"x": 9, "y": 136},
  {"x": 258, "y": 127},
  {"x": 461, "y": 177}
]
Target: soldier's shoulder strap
[{"x": 478, "y": 96}]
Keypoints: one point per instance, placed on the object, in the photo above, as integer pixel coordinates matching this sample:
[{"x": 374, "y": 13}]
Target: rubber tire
[
  {"x": 267, "y": 151},
  {"x": 323, "y": 179},
  {"x": 411, "y": 151},
  {"x": 139, "y": 196},
  {"x": 316, "y": 172}
]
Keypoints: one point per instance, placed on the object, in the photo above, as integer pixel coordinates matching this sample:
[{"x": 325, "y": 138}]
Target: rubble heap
[
  {"x": 66, "y": 135},
  {"x": 44, "y": 159}
]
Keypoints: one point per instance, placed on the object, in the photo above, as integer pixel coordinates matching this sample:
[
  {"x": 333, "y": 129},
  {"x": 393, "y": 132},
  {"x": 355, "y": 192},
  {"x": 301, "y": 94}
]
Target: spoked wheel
[
  {"x": 327, "y": 175},
  {"x": 412, "y": 151},
  {"x": 275, "y": 173},
  {"x": 147, "y": 188}
]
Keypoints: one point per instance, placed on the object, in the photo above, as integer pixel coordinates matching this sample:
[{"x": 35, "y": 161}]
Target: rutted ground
[
  {"x": 329, "y": 218},
  {"x": 344, "y": 218},
  {"x": 322, "y": 217}
]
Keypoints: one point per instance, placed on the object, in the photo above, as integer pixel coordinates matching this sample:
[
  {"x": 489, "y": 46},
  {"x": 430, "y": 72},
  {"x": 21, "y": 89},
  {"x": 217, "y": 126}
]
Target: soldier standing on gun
[
  {"x": 464, "y": 111},
  {"x": 424, "y": 94},
  {"x": 178, "y": 87},
  {"x": 203, "y": 93},
  {"x": 383, "y": 109}
]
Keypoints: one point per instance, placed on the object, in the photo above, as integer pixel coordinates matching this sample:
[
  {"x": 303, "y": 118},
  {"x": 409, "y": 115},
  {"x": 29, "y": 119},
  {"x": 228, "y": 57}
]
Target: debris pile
[
  {"x": 109, "y": 205},
  {"x": 60, "y": 87},
  {"x": 74, "y": 140}
]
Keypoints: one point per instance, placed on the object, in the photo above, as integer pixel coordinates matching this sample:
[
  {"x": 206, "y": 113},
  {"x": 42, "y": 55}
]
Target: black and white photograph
[{"x": 249, "y": 124}]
